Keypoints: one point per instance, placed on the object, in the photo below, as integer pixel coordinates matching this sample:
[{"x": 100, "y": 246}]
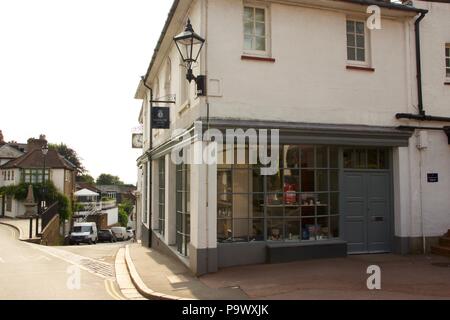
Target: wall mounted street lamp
[
  {"x": 44, "y": 150},
  {"x": 189, "y": 45}
]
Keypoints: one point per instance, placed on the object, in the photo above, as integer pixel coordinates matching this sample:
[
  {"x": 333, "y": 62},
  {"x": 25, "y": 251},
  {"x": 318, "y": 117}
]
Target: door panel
[
  {"x": 378, "y": 212},
  {"x": 355, "y": 226},
  {"x": 366, "y": 211}
]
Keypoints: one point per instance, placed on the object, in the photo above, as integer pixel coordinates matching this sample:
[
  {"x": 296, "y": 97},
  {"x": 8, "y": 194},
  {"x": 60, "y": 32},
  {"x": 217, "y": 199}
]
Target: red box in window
[{"x": 290, "y": 193}]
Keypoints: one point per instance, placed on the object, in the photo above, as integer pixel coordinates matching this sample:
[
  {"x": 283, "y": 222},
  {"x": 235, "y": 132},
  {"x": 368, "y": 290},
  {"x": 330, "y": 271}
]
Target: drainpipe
[
  {"x": 419, "y": 63},
  {"x": 149, "y": 187}
]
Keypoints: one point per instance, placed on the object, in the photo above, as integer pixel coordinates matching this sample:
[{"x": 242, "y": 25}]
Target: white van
[
  {"x": 120, "y": 233},
  {"x": 83, "y": 232}
]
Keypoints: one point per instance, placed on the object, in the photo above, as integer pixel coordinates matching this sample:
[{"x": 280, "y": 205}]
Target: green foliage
[
  {"x": 127, "y": 206},
  {"x": 86, "y": 178},
  {"x": 109, "y": 179},
  {"x": 70, "y": 155},
  {"x": 123, "y": 217},
  {"x": 50, "y": 194}
]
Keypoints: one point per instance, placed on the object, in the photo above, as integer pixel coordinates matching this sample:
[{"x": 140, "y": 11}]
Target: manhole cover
[{"x": 442, "y": 264}]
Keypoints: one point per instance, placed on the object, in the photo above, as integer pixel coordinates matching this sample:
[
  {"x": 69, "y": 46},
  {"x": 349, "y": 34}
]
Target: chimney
[
  {"x": 34, "y": 144},
  {"x": 2, "y": 142}
]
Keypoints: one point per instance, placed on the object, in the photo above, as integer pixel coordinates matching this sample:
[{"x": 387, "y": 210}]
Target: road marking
[{"x": 109, "y": 286}]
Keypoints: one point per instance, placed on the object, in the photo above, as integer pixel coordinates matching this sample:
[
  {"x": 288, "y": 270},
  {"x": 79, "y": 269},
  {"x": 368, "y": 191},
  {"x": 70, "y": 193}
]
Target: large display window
[{"x": 299, "y": 203}]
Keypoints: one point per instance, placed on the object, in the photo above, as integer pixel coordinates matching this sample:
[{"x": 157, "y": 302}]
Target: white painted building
[{"x": 365, "y": 156}]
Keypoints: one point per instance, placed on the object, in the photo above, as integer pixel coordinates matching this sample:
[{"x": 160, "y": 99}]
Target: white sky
[{"x": 69, "y": 69}]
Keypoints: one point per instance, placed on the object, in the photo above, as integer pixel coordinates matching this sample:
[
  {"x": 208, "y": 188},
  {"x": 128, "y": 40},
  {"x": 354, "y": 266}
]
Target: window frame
[
  {"x": 161, "y": 196},
  {"x": 367, "y": 44},
  {"x": 447, "y": 58},
  {"x": 258, "y": 53}
]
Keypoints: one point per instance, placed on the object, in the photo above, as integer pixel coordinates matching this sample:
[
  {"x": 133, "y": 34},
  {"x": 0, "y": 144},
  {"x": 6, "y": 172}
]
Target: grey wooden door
[{"x": 366, "y": 211}]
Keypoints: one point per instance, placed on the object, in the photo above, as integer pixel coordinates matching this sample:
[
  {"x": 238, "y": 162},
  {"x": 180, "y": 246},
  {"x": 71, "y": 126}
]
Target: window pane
[
  {"x": 447, "y": 52},
  {"x": 224, "y": 230},
  {"x": 291, "y": 156},
  {"x": 292, "y": 211},
  {"x": 248, "y": 13},
  {"x": 322, "y": 204},
  {"x": 260, "y": 43},
  {"x": 361, "y": 55},
  {"x": 260, "y": 29},
  {"x": 350, "y": 26},
  {"x": 248, "y": 28},
  {"x": 274, "y": 183},
  {"x": 360, "y": 42},
  {"x": 241, "y": 180},
  {"x": 322, "y": 180},
  {"x": 360, "y": 159},
  {"x": 360, "y": 27},
  {"x": 307, "y": 180},
  {"x": 334, "y": 203},
  {"x": 274, "y": 229},
  {"x": 240, "y": 230},
  {"x": 334, "y": 227},
  {"x": 322, "y": 157},
  {"x": 257, "y": 205},
  {"x": 259, "y": 14},
  {"x": 334, "y": 180},
  {"x": 248, "y": 42},
  {"x": 240, "y": 206},
  {"x": 257, "y": 230},
  {"x": 351, "y": 40},
  {"x": 383, "y": 159},
  {"x": 274, "y": 210},
  {"x": 372, "y": 159},
  {"x": 224, "y": 181},
  {"x": 322, "y": 228},
  {"x": 292, "y": 230},
  {"x": 257, "y": 181},
  {"x": 308, "y": 229},
  {"x": 334, "y": 157},
  {"x": 351, "y": 53},
  {"x": 307, "y": 157}
]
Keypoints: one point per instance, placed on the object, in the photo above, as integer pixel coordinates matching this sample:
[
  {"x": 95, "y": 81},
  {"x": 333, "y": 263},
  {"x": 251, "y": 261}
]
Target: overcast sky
[{"x": 69, "y": 69}]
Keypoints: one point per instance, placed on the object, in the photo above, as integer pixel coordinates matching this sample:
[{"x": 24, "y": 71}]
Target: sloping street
[{"x": 36, "y": 272}]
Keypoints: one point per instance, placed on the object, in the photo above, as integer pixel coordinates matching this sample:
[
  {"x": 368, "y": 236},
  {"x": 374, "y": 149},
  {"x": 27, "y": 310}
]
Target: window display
[{"x": 299, "y": 203}]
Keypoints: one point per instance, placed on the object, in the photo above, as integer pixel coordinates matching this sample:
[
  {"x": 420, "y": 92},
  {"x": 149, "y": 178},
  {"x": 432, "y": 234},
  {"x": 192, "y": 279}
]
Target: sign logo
[{"x": 160, "y": 118}]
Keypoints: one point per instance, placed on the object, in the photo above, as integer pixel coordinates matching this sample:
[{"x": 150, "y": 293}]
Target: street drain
[{"x": 441, "y": 264}]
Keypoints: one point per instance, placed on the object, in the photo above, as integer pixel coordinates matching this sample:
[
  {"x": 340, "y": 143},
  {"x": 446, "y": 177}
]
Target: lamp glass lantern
[
  {"x": 44, "y": 150},
  {"x": 189, "y": 45}
]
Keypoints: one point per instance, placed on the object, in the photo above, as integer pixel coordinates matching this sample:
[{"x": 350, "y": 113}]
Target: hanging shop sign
[
  {"x": 161, "y": 118},
  {"x": 433, "y": 177}
]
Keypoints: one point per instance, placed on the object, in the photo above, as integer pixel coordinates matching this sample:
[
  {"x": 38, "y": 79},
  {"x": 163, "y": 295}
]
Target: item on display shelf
[
  {"x": 290, "y": 193},
  {"x": 275, "y": 234},
  {"x": 305, "y": 234}
]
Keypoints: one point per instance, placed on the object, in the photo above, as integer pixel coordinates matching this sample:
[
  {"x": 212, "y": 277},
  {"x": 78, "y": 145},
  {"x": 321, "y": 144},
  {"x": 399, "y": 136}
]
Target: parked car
[
  {"x": 130, "y": 234},
  {"x": 85, "y": 232},
  {"x": 106, "y": 235},
  {"x": 120, "y": 233}
]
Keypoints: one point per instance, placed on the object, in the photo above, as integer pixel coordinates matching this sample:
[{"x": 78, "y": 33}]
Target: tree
[
  {"x": 123, "y": 217},
  {"x": 86, "y": 178},
  {"x": 108, "y": 179},
  {"x": 70, "y": 155}
]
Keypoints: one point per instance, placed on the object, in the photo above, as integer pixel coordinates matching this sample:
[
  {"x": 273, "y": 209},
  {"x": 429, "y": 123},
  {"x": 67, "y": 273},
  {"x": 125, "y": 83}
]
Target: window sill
[
  {"x": 360, "y": 68},
  {"x": 255, "y": 58}
]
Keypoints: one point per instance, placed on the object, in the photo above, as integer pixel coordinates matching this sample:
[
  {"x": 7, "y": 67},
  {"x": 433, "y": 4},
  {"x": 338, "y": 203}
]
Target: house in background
[
  {"x": 29, "y": 168},
  {"x": 364, "y": 156}
]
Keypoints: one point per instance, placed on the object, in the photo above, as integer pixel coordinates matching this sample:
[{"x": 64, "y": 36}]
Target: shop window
[
  {"x": 447, "y": 60},
  {"x": 299, "y": 203},
  {"x": 183, "y": 216},
  {"x": 162, "y": 195}
]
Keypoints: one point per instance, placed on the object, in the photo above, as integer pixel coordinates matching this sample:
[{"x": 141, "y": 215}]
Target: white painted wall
[
  {"x": 57, "y": 176},
  {"x": 113, "y": 216}
]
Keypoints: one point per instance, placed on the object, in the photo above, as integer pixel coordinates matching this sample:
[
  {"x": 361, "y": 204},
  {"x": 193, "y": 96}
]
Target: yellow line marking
[{"x": 111, "y": 291}]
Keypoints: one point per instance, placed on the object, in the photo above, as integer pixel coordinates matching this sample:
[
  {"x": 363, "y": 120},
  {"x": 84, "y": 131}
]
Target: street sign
[
  {"x": 160, "y": 118},
  {"x": 433, "y": 177}
]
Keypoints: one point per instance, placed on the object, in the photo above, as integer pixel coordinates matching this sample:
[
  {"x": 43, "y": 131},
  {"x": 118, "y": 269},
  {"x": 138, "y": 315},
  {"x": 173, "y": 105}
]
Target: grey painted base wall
[
  {"x": 145, "y": 238},
  {"x": 413, "y": 245}
]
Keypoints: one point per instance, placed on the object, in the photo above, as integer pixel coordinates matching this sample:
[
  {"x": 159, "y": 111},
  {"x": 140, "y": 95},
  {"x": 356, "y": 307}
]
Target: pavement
[
  {"x": 402, "y": 277},
  {"x": 23, "y": 226},
  {"x": 164, "y": 277}
]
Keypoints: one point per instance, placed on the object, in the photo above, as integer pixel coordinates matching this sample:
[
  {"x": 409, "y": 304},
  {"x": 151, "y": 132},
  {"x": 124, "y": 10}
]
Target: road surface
[{"x": 29, "y": 271}]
